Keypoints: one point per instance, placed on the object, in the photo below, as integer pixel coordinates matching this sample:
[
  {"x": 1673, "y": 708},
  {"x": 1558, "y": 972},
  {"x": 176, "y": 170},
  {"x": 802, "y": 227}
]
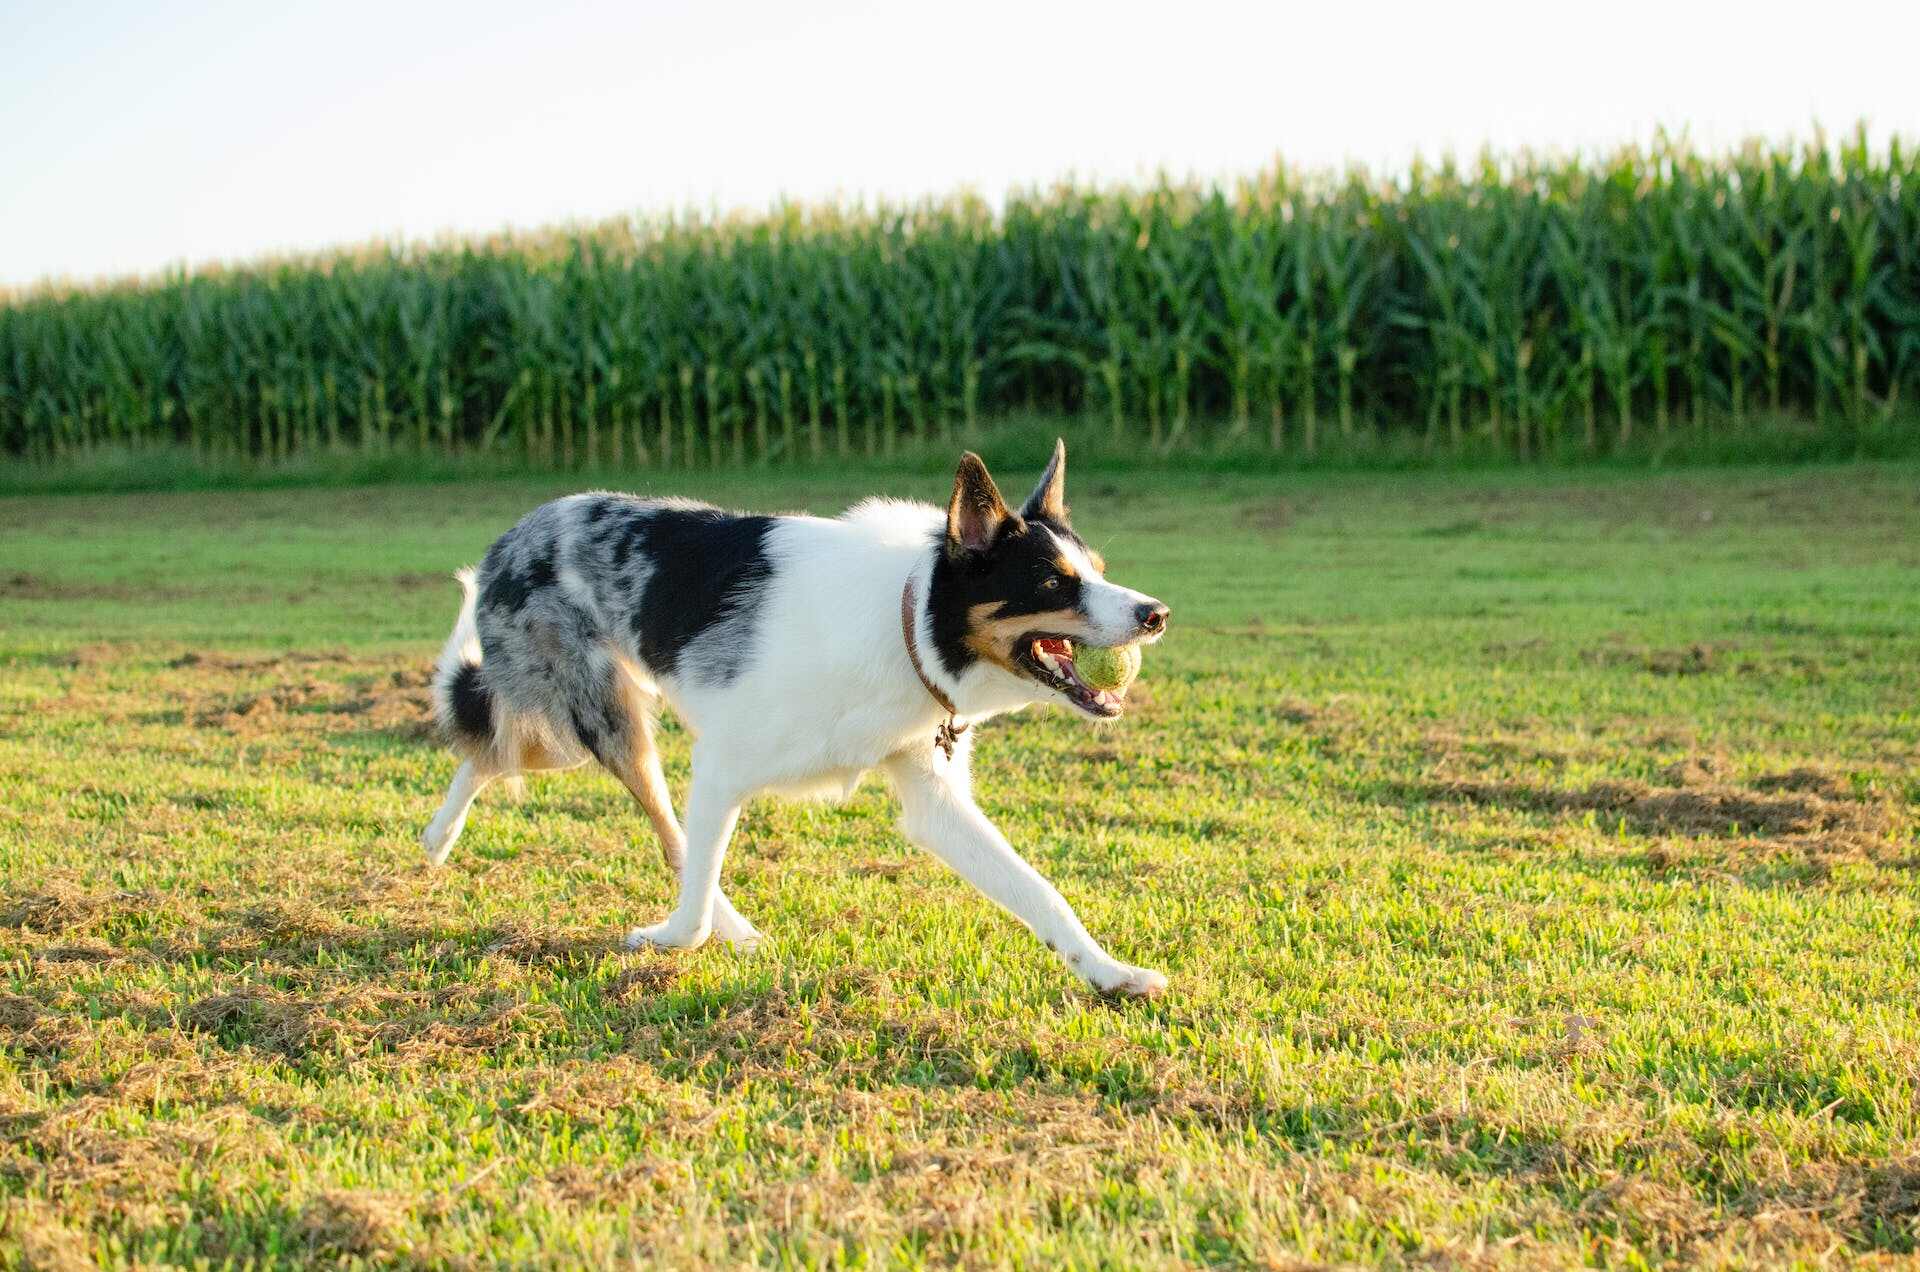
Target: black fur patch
[
  {"x": 1010, "y": 574},
  {"x": 589, "y": 735},
  {"x": 626, "y": 537},
  {"x": 707, "y": 564},
  {"x": 509, "y": 591},
  {"x": 472, "y": 704},
  {"x": 506, "y": 591}
]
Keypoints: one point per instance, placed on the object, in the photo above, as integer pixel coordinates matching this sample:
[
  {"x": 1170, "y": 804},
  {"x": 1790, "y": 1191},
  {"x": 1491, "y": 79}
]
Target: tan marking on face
[
  {"x": 1065, "y": 567},
  {"x": 1069, "y": 549},
  {"x": 995, "y": 639}
]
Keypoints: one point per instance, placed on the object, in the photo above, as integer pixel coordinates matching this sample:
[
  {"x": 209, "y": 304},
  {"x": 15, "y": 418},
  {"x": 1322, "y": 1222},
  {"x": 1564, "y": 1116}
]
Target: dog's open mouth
[{"x": 1049, "y": 659}]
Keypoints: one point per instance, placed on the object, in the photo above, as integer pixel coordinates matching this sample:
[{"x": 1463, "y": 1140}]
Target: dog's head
[{"x": 1013, "y": 591}]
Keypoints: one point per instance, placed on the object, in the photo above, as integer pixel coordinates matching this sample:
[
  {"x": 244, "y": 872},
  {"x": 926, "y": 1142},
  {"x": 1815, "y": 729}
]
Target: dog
[{"x": 801, "y": 653}]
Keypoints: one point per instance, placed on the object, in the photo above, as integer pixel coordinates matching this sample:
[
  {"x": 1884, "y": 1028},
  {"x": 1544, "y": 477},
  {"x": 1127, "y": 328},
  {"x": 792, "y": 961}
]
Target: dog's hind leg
[
  {"x": 632, "y": 754},
  {"x": 649, "y": 787},
  {"x": 638, "y": 769},
  {"x": 439, "y": 836},
  {"x": 713, "y": 808}
]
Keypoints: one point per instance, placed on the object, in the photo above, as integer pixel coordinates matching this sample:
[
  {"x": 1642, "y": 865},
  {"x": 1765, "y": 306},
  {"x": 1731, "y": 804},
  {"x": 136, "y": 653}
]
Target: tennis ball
[{"x": 1112, "y": 668}]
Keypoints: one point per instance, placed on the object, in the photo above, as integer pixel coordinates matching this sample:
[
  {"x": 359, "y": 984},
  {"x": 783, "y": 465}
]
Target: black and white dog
[{"x": 800, "y": 652}]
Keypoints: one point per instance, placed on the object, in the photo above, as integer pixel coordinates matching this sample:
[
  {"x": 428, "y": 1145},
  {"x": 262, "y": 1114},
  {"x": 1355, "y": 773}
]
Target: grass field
[{"x": 1533, "y": 857}]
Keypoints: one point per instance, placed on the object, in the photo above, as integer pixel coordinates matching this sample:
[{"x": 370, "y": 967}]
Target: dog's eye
[{"x": 1051, "y": 583}]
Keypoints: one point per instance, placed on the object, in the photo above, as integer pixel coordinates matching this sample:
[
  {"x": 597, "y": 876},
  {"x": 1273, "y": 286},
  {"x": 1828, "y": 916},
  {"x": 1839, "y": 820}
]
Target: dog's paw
[
  {"x": 1122, "y": 981},
  {"x": 437, "y": 843},
  {"x": 743, "y": 939},
  {"x": 665, "y": 936}
]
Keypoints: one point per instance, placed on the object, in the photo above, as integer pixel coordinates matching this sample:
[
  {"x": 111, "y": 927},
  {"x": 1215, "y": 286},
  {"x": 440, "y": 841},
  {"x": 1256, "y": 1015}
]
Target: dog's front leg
[
  {"x": 939, "y": 814},
  {"x": 713, "y": 806}
]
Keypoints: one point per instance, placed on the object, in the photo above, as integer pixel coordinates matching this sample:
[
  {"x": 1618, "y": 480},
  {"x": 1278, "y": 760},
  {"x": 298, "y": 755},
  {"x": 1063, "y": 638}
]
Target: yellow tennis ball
[{"x": 1112, "y": 668}]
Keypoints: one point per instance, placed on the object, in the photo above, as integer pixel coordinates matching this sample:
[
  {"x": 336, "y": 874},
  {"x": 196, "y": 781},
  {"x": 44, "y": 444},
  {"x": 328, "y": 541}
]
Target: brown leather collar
[{"x": 949, "y": 731}]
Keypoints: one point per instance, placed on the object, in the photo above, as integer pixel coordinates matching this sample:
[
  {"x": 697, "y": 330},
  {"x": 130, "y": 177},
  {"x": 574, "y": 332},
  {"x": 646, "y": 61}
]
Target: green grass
[
  {"x": 1022, "y": 440},
  {"x": 1533, "y": 857}
]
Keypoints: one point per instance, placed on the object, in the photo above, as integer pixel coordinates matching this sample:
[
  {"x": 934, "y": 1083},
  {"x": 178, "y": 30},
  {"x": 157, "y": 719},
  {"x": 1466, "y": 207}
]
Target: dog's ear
[
  {"x": 1048, "y": 501},
  {"x": 976, "y": 512}
]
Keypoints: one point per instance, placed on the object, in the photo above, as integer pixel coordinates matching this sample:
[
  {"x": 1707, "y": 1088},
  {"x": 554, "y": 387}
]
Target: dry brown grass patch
[
  {"x": 1643, "y": 1212},
  {"x": 645, "y": 981},
  {"x": 369, "y": 1225},
  {"x": 416, "y": 1025},
  {"x": 610, "y": 1185},
  {"x": 1807, "y": 812},
  {"x": 18, "y": 1012},
  {"x": 397, "y": 705},
  {"x": 535, "y": 946},
  {"x": 288, "y": 921},
  {"x": 82, "y": 1158},
  {"x": 58, "y": 907},
  {"x": 1871, "y": 1205},
  {"x": 87, "y": 951},
  {"x": 41, "y": 1241},
  {"x": 1811, "y": 781}
]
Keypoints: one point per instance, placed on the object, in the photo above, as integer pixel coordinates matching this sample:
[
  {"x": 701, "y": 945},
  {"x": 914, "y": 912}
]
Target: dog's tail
[{"x": 462, "y": 702}]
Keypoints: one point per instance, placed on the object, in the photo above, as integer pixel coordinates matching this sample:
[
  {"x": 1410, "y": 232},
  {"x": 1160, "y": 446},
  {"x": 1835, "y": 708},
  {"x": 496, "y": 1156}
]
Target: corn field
[{"x": 1521, "y": 306}]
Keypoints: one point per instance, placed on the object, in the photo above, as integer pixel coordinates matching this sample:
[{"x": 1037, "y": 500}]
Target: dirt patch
[
  {"x": 215, "y": 660},
  {"x": 1269, "y": 514},
  {"x": 1454, "y": 529},
  {"x": 97, "y": 654},
  {"x": 22, "y": 586},
  {"x": 1695, "y": 659},
  {"x": 1695, "y": 771},
  {"x": 1692, "y": 660}
]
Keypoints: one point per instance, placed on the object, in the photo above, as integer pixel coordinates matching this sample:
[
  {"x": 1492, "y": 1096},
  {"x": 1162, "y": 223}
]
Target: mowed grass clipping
[{"x": 1533, "y": 857}]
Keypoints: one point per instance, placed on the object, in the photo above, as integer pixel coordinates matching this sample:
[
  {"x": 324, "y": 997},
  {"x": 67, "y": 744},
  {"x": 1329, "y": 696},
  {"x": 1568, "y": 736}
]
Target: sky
[{"x": 136, "y": 136}]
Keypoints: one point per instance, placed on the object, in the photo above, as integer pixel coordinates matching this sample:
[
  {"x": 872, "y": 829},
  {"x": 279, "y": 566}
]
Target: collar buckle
[{"x": 950, "y": 729}]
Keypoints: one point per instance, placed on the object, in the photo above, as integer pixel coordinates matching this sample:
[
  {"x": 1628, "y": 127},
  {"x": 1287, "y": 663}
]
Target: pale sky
[{"x": 135, "y": 134}]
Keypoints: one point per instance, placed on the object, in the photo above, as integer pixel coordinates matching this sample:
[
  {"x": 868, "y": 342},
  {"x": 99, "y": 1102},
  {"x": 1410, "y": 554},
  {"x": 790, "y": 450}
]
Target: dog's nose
[{"x": 1152, "y": 618}]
